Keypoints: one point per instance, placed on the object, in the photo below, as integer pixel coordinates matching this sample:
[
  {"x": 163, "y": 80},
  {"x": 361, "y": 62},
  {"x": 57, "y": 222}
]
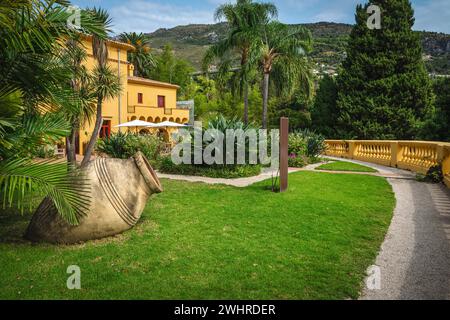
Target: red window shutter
[
  {"x": 140, "y": 98},
  {"x": 161, "y": 101},
  {"x": 105, "y": 130}
]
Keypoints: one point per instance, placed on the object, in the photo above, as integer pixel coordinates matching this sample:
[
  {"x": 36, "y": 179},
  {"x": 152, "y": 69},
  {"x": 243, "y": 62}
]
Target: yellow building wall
[
  {"x": 148, "y": 110},
  {"x": 125, "y": 107}
]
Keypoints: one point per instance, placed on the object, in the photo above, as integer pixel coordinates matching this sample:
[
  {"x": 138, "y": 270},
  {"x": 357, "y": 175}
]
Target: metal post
[{"x": 284, "y": 141}]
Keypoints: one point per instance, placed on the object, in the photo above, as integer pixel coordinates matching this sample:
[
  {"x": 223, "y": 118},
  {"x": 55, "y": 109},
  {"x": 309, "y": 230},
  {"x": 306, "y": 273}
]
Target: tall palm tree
[
  {"x": 282, "y": 52},
  {"x": 245, "y": 19},
  {"x": 142, "y": 57},
  {"x": 81, "y": 85},
  {"x": 107, "y": 84}
]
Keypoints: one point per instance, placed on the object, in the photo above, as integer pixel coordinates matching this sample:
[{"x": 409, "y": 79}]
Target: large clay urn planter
[{"x": 119, "y": 192}]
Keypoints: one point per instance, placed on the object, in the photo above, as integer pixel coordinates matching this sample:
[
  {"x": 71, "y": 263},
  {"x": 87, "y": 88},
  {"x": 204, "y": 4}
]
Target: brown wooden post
[{"x": 284, "y": 166}]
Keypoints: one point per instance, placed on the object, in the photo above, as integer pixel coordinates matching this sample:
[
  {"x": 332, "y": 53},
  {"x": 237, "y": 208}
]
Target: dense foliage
[
  {"x": 168, "y": 68},
  {"x": 218, "y": 126},
  {"x": 225, "y": 172},
  {"x": 437, "y": 125},
  {"x": 34, "y": 102},
  {"x": 305, "y": 147},
  {"x": 125, "y": 145},
  {"x": 384, "y": 91},
  {"x": 324, "y": 111}
]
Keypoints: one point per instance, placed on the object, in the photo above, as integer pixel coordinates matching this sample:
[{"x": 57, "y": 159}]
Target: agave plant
[{"x": 218, "y": 128}]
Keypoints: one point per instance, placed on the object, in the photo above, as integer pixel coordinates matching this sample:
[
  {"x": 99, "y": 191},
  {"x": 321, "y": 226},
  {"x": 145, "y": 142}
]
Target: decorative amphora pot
[{"x": 119, "y": 192}]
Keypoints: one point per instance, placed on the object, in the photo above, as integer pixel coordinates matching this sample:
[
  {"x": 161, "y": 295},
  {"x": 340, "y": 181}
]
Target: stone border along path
[{"x": 414, "y": 259}]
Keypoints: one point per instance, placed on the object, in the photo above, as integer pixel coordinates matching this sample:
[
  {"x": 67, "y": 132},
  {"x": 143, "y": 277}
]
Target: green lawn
[
  {"x": 197, "y": 241},
  {"x": 345, "y": 166}
]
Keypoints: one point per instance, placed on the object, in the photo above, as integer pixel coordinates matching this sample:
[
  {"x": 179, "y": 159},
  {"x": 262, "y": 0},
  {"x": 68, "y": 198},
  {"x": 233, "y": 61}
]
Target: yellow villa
[{"x": 141, "y": 98}]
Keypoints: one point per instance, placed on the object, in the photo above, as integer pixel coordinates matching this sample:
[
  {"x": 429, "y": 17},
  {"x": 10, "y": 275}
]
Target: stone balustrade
[{"x": 416, "y": 156}]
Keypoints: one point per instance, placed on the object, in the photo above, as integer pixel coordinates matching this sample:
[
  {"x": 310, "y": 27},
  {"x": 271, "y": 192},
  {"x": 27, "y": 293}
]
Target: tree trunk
[
  {"x": 265, "y": 99},
  {"x": 95, "y": 133},
  {"x": 244, "y": 60},
  {"x": 71, "y": 140},
  {"x": 71, "y": 152},
  {"x": 246, "y": 103}
]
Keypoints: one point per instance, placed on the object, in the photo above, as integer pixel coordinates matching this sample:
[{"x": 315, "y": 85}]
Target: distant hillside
[{"x": 190, "y": 42}]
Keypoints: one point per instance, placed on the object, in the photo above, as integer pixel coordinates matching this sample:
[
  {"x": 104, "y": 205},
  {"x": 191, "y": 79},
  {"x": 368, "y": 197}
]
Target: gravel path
[{"x": 414, "y": 260}]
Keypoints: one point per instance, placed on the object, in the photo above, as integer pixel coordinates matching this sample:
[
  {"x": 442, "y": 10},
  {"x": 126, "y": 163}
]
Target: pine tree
[{"x": 384, "y": 91}]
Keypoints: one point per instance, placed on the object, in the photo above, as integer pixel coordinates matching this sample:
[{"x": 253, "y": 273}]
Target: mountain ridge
[{"x": 191, "y": 41}]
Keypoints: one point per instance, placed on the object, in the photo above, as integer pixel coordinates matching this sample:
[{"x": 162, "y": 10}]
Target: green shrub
[
  {"x": 225, "y": 170},
  {"x": 315, "y": 143},
  {"x": 215, "y": 171},
  {"x": 305, "y": 147},
  {"x": 435, "y": 174},
  {"x": 297, "y": 161},
  {"x": 297, "y": 144},
  {"x": 222, "y": 124},
  {"x": 125, "y": 145},
  {"x": 114, "y": 146}
]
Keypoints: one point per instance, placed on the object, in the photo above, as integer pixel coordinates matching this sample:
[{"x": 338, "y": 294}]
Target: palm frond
[
  {"x": 21, "y": 181},
  {"x": 107, "y": 84}
]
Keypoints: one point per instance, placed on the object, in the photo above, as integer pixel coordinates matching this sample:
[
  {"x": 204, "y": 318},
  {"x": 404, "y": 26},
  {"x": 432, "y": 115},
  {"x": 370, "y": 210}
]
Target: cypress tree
[
  {"x": 323, "y": 113},
  {"x": 384, "y": 91}
]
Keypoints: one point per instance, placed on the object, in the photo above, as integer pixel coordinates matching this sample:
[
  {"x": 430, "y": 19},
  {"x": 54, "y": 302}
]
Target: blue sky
[{"x": 149, "y": 15}]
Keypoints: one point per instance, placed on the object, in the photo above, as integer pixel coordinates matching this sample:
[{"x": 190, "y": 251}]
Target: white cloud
[
  {"x": 337, "y": 11},
  {"x": 144, "y": 16}
]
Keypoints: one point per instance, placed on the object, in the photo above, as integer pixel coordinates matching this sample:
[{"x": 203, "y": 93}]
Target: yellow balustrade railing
[
  {"x": 416, "y": 156},
  {"x": 446, "y": 165}
]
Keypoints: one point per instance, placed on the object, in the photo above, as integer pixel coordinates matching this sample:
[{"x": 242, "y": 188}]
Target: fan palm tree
[
  {"x": 142, "y": 57},
  {"x": 31, "y": 104},
  {"x": 106, "y": 82},
  {"x": 282, "y": 53},
  {"x": 245, "y": 19}
]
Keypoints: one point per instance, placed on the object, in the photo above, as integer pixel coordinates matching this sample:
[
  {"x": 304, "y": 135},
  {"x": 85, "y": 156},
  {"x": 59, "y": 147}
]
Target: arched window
[
  {"x": 157, "y": 120},
  {"x": 133, "y": 118}
]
